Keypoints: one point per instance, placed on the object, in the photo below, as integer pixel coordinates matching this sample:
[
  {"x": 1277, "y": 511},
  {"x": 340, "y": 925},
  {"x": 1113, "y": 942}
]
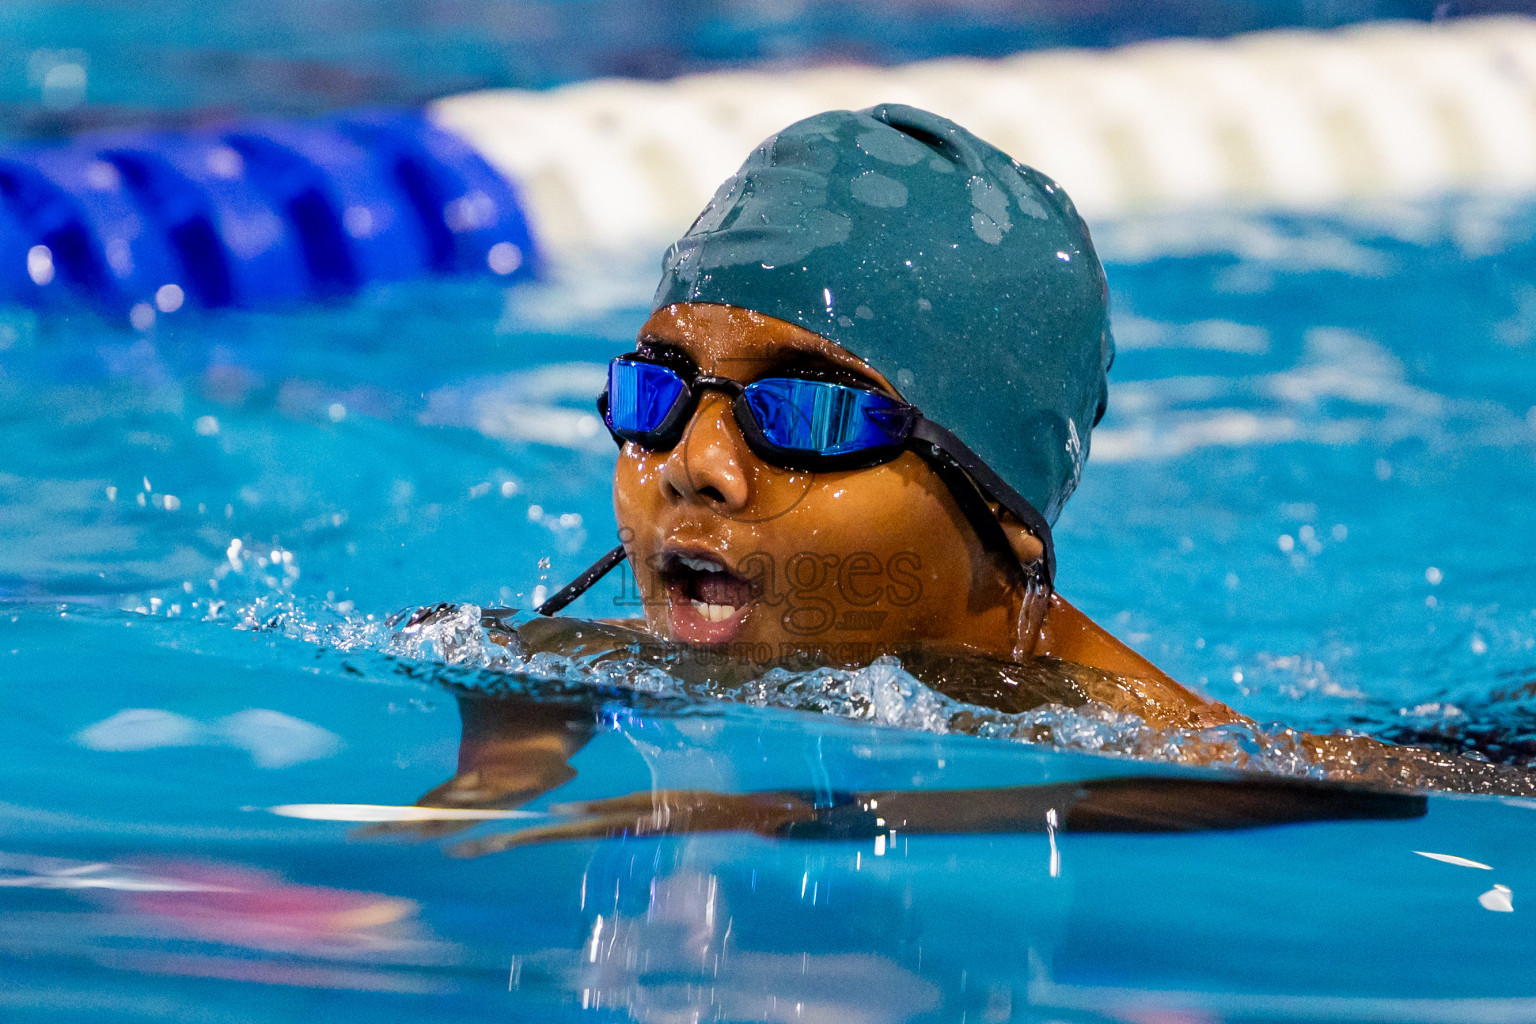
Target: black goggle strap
[
  {"x": 944, "y": 447},
  {"x": 583, "y": 583}
]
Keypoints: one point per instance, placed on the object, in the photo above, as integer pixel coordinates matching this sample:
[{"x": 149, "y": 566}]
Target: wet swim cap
[{"x": 964, "y": 277}]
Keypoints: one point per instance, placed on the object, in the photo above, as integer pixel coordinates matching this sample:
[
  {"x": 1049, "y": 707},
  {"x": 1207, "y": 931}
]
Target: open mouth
[{"x": 708, "y": 599}]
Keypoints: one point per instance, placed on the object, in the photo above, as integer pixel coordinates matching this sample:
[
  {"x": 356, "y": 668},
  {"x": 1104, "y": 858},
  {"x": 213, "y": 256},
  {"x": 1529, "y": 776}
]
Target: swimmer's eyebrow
[
  {"x": 666, "y": 353},
  {"x": 652, "y": 344}
]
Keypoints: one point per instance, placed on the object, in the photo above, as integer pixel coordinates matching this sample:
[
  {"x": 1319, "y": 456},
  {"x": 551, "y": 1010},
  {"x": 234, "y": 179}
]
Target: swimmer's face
[{"x": 730, "y": 550}]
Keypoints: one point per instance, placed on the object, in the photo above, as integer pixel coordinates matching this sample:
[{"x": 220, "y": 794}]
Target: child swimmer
[{"x": 865, "y": 392}]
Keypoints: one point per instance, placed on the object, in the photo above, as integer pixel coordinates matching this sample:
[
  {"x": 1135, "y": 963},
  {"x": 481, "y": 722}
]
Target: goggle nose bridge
[{"x": 693, "y": 388}]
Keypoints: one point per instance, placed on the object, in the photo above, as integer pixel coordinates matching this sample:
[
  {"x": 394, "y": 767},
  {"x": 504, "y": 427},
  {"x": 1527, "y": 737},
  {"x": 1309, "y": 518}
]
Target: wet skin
[{"x": 732, "y": 552}]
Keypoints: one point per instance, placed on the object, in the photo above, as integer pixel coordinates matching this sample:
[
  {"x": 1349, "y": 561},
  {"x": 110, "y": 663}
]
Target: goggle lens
[
  {"x": 640, "y": 395},
  {"x": 821, "y": 418}
]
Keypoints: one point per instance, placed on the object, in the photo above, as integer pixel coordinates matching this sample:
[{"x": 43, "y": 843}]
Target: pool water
[
  {"x": 1313, "y": 498},
  {"x": 81, "y": 64}
]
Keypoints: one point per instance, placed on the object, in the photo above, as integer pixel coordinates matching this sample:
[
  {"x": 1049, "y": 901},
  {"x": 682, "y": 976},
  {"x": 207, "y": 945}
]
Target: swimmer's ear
[
  {"x": 1026, "y": 546},
  {"x": 1030, "y": 551}
]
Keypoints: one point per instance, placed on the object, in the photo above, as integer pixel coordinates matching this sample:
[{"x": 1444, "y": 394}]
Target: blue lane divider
[
  {"x": 26, "y": 268},
  {"x": 356, "y": 222},
  {"x": 234, "y": 246},
  {"x": 257, "y": 215},
  {"x": 94, "y": 235},
  {"x": 473, "y": 218}
]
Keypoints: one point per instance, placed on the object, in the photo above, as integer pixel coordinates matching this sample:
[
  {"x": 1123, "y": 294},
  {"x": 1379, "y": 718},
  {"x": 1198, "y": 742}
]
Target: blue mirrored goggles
[{"x": 793, "y": 422}]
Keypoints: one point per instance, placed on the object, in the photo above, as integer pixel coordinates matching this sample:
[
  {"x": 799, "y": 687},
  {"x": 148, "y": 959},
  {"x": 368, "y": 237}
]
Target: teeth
[
  {"x": 701, "y": 564},
  {"x": 713, "y": 612}
]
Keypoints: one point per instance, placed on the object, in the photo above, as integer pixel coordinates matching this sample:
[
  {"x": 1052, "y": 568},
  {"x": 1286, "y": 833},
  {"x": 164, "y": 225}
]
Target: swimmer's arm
[
  {"x": 1070, "y": 635},
  {"x": 512, "y": 750},
  {"x": 1377, "y": 763}
]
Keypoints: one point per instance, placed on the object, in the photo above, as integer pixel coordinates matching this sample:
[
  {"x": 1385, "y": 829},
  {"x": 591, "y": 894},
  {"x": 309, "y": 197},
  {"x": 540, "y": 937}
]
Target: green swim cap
[{"x": 966, "y": 278}]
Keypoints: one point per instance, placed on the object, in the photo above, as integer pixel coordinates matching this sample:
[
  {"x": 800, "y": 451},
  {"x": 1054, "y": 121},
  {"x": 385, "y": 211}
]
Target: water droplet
[
  {"x": 40, "y": 264},
  {"x": 225, "y": 162},
  {"x": 169, "y": 297},
  {"x": 503, "y": 258},
  {"x": 358, "y": 221},
  {"x": 102, "y": 176}
]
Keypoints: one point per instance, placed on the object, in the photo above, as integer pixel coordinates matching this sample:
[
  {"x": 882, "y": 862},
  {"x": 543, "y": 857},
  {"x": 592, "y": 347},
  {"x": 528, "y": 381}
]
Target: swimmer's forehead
[{"x": 727, "y": 341}]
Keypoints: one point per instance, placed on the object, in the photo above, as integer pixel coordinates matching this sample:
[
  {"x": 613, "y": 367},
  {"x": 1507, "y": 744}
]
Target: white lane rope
[{"x": 1300, "y": 120}]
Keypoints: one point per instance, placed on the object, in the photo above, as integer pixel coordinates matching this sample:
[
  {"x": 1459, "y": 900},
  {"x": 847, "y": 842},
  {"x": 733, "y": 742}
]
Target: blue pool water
[
  {"x": 1313, "y": 497},
  {"x": 81, "y": 63}
]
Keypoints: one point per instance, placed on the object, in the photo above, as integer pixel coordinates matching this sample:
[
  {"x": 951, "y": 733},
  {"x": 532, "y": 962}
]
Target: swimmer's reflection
[
  {"x": 515, "y": 749},
  {"x": 691, "y": 932},
  {"x": 683, "y": 952}
]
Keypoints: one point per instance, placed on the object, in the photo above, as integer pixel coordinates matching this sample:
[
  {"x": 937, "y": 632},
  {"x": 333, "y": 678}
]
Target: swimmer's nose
[{"x": 707, "y": 465}]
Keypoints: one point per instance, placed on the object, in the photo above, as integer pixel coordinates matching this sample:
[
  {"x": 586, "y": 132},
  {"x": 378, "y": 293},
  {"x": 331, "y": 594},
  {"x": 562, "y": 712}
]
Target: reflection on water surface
[{"x": 1294, "y": 400}]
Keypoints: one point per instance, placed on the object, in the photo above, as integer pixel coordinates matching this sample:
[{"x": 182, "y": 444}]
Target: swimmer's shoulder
[{"x": 1134, "y": 684}]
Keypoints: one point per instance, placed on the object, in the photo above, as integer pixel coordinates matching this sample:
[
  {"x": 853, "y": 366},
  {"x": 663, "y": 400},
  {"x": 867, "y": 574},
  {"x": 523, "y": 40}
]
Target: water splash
[
  {"x": 882, "y": 693},
  {"x": 465, "y": 647}
]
